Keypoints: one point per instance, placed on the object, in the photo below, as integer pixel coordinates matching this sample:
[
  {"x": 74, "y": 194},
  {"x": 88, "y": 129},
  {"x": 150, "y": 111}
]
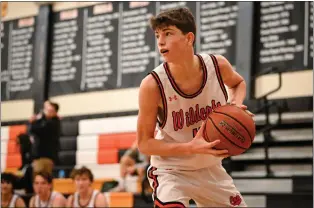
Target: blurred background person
[
  {"x": 132, "y": 163},
  {"x": 8, "y": 198},
  {"x": 45, "y": 196},
  {"x": 85, "y": 195},
  {"x": 45, "y": 130}
]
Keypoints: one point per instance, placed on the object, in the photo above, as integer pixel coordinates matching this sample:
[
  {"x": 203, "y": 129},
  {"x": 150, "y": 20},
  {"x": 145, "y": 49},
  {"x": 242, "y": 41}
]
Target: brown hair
[
  {"x": 43, "y": 165},
  {"x": 182, "y": 18},
  {"x": 47, "y": 176},
  {"x": 83, "y": 170}
]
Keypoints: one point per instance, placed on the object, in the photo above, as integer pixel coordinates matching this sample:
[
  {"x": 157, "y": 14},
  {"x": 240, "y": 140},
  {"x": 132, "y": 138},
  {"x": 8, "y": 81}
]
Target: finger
[
  {"x": 244, "y": 107},
  {"x": 249, "y": 112},
  {"x": 218, "y": 152},
  {"x": 224, "y": 155},
  {"x": 201, "y": 130},
  {"x": 213, "y": 143}
]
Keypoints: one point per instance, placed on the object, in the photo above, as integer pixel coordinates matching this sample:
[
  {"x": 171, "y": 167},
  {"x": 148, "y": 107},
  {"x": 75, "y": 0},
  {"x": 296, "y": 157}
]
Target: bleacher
[
  {"x": 277, "y": 170},
  {"x": 99, "y": 143}
]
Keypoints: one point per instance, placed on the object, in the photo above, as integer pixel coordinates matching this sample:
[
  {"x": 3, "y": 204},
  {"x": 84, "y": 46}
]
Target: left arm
[{"x": 234, "y": 81}]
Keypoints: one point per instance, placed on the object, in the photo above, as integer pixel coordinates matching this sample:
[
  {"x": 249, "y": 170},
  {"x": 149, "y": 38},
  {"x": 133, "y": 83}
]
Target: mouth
[{"x": 164, "y": 51}]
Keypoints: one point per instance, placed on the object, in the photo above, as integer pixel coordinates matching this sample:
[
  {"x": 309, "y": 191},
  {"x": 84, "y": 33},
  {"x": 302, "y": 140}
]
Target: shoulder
[
  {"x": 223, "y": 61},
  {"x": 149, "y": 82},
  {"x": 70, "y": 198},
  {"x": 149, "y": 87},
  {"x": 32, "y": 202},
  {"x": 59, "y": 199},
  {"x": 19, "y": 202},
  {"x": 100, "y": 200},
  {"x": 59, "y": 196}
]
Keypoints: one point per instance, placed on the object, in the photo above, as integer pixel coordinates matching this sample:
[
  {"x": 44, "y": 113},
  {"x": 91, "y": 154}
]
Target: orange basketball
[{"x": 233, "y": 126}]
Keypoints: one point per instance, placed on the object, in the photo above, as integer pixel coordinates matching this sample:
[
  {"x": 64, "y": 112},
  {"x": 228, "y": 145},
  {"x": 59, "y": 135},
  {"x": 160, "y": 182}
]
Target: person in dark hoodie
[{"x": 45, "y": 130}]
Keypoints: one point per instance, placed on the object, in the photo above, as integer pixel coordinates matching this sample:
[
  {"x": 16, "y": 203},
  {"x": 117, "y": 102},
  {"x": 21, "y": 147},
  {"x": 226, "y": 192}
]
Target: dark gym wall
[
  {"x": 18, "y": 25},
  {"x": 101, "y": 51}
]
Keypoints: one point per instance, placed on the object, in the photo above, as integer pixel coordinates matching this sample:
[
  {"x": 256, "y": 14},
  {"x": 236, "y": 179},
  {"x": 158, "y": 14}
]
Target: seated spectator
[
  {"x": 8, "y": 198},
  {"x": 85, "y": 195},
  {"x": 28, "y": 172},
  {"x": 45, "y": 196},
  {"x": 132, "y": 163}
]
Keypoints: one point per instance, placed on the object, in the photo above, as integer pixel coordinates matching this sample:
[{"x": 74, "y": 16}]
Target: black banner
[
  {"x": 67, "y": 47},
  {"x": 283, "y": 36},
  {"x": 137, "y": 43},
  {"x": 110, "y": 45},
  {"x": 218, "y": 28},
  {"x": 17, "y": 74},
  {"x": 310, "y": 8}
]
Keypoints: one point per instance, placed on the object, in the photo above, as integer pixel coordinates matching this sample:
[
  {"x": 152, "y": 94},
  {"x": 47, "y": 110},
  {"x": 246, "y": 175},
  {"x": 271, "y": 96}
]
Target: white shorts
[{"x": 208, "y": 187}]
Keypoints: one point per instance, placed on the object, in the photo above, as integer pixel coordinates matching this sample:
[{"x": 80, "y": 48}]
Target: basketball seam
[
  {"x": 225, "y": 135},
  {"x": 205, "y": 133},
  {"x": 238, "y": 122}
]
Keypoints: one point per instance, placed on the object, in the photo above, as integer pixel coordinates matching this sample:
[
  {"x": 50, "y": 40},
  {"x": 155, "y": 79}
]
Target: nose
[{"x": 161, "y": 41}]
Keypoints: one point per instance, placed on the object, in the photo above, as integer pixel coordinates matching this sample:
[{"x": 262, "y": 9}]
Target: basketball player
[
  {"x": 85, "y": 195},
  {"x": 45, "y": 197},
  {"x": 179, "y": 94},
  {"x": 8, "y": 198}
]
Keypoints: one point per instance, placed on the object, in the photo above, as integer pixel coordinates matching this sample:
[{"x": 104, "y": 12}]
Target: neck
[
  {"x": 45, "y": 196},
  {"x": 86, "y": 193},
  {"x": 6, "y": 197},
  {"x": 183, "y": 69}
]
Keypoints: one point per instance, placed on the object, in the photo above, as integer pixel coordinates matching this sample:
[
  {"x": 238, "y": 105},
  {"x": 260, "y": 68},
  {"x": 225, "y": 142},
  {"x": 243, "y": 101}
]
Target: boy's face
[
  {"x": 41, "y": 185},
  {"x": 6, "y": 187},
  {"x": 172, "y": 43},
  {"x": 82, "y": 182}
]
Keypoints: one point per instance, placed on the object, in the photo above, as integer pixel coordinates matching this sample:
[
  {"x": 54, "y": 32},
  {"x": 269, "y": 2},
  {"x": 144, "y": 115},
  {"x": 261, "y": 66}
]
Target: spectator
[
  {"x": 131, "y": 163},
  {"x": 26, "y": 180},
  {"x": 45, "y": 196},
  {"x": 45, "y": 129},
  {"x": 85, "y": 195},
  {"x": 8, "y": 198}
]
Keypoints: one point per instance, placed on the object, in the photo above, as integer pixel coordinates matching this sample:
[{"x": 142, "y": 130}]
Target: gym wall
[
  {"x": 100, "y": 52},
  {"x": 16, "y": 90}
]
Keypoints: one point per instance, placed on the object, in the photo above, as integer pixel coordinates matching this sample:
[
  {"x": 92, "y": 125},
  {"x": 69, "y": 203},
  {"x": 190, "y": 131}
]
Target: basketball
[{"x": 233, "y": 126}]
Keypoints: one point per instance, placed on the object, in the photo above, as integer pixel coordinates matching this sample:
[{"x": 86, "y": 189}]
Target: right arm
[{"x": 149, "y": 97}]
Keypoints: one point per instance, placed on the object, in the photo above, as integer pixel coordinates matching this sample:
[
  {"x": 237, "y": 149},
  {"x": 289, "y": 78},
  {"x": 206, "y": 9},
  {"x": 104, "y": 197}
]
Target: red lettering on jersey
[
  {"x": 203, "y": 114},
  {"x": 178, "y": 120},
  {"x": 192, "y": 116}
]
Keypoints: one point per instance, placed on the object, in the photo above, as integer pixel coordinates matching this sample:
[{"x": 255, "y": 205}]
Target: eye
[
  {"x": 157, "y": 36},
  {"x": 168, "y": 33}
]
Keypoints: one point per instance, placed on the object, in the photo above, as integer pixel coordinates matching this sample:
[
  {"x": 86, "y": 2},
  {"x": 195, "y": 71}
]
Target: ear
[{"x": 190, "y": 37}]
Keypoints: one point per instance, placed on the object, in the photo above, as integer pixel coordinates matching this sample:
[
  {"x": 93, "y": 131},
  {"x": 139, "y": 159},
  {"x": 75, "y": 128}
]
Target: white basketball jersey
[
  {"x": 183, "y": 114},
  {"x": 40, "y": 203},
  {"x": 91, "y": 203},
  {"x": 13, "y": 201}
]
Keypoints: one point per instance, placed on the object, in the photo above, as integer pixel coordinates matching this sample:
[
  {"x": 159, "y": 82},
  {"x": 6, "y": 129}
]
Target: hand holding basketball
[
  {"x": 244, "y": 107},
  {"x": 200, "y": 146},
  {"x": 233, "y": 126}
]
